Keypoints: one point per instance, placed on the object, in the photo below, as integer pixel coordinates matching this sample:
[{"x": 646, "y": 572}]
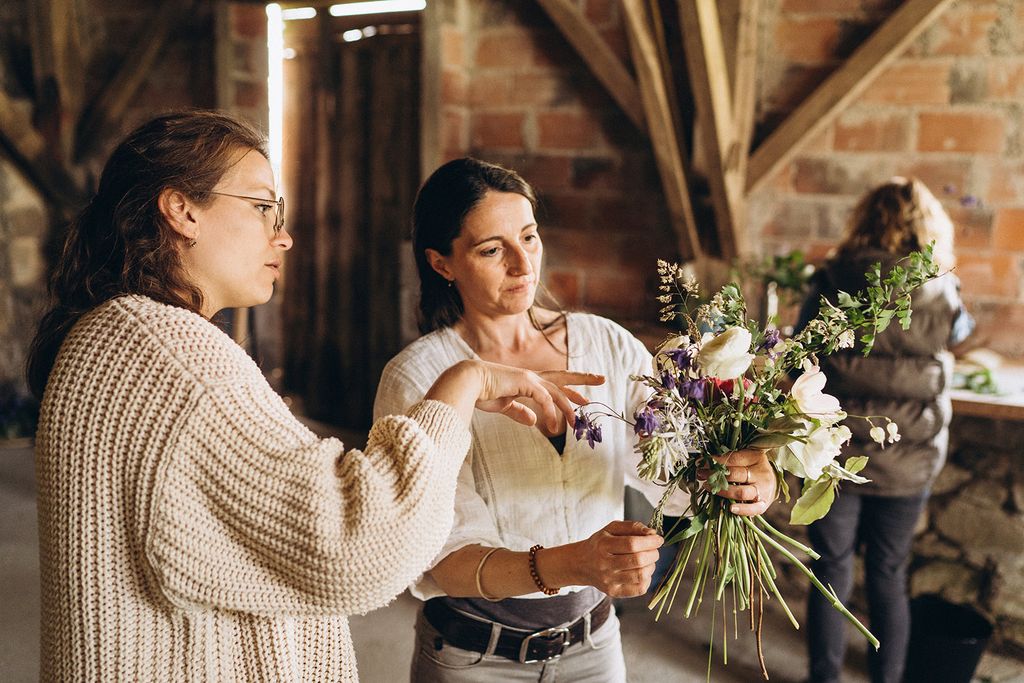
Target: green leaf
[
  {"x": 847, "y": 301},
  {"x": 856, "y": 463},
  {"x": 815, "y": 501}
]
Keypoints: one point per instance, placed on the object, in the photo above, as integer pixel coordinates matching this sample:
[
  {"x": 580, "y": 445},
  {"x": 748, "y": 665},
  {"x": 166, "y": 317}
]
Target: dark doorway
[{"x": 351, "y": 162}]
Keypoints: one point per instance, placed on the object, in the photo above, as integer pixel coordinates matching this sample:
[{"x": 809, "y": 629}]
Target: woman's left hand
[{"x": 752, "y": 481}]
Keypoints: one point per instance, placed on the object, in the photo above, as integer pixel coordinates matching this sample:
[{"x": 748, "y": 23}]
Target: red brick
[
  {"x": 960, "y": 132},
  {"x": 597, "y": 173},
  {"x": 849, "y": 176},
  {"x": 911, "y": 82},
  {"x": 938, "y": 174},
  {"x": 453, "y": 86},
  {"x": 822, "y": 142},
  {"x": 564, "y": 285},
  {"x": 972, "y": 227},
  {"x": 546, "y": 89},
  {"x": 453, "y": 131},
  {"x": 504, "y": 49},
  {"x": 452, "y": 46},
  {"x": 498, "y": 130},
  {"x": 567, "y": 129},
  {"x": 248, "y": 21},
  {"x": 494, "y": 91},
  {"x": 563, "y": 212},
  {"x": 1004, "y": 80},
  {"x": 858, "y": 130},
  {"x": 545, "y": 173},
  {"x": 614, "y": 291},
  {"x": 1006, "y": 183},
  {"x": 963, "y": 31},
  {"x": 1009, "y": 229},
  {"x": 988, "y": 274},
  {"x": 999, "y": 326},
  {"x": 807, "y": 40}
]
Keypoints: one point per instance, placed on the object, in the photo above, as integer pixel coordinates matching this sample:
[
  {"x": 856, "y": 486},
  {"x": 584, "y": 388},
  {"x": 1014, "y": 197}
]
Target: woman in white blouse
[{"x": 520, "y": 589}]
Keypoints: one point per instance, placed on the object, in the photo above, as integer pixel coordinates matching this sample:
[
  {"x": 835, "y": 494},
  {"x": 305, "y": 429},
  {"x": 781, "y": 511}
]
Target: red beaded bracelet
[{"x": 536, "y": 577}]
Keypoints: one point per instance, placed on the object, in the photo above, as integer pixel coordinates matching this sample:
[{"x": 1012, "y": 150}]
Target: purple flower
[
  {"x": 683, "y": 358},
  {"x": 646, "y": 422},
  {"x": 668, "y": 380},
  {"x": 585, "y": 426},
  {"x": 692, "y": 388},
  {"x": 580, "y": 427}
]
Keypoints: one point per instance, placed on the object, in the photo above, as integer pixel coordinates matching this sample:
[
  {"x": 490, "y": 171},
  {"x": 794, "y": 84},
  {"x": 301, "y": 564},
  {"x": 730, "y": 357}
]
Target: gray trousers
[
  {"x": 885, "y": 527},
  {"x": 597, "y": 659}
]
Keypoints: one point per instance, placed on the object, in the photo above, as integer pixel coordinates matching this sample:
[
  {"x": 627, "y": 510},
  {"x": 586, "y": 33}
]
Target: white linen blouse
[{"x": 515, "y": 489}]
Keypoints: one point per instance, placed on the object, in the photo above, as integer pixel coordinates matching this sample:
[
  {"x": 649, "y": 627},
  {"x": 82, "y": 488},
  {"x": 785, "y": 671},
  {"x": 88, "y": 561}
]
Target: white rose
[
  {"x": 809, "y": 398},
  {"x": 808, "y": 460},
  {"x": 726, "y": 355}
]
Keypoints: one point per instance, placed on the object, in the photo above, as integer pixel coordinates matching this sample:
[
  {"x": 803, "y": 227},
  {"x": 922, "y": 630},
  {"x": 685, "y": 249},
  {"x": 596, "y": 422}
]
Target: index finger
[{"x": 566, "y": 377}]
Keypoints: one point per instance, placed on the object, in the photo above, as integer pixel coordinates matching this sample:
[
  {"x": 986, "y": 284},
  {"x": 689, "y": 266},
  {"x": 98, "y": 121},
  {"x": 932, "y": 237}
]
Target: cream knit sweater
[{"x": 191, "y": 529}]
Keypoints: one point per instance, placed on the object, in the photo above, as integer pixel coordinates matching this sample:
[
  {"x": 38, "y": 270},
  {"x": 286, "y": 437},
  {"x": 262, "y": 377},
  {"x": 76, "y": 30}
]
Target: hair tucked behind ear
[
  {"x": 121, "y": 243},
  {"x": 443, "y": 202}
]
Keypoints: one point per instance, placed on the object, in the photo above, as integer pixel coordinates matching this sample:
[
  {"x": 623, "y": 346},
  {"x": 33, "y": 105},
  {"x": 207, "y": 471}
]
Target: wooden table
[{"x": 1009, "y": 405}]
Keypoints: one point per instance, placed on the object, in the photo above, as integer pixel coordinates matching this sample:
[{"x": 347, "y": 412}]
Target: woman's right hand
[
  {"x": 619, "y": 559},
  {"x": 496, "y": 388}
]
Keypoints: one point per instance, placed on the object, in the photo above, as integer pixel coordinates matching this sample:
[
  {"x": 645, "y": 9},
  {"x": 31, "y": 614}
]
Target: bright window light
[
  {"x": 351, "y": 9},
  {"x": 298, "y": 13},
  {"x": 352, "y": 35},
  {"x": 275, "y": 86}
]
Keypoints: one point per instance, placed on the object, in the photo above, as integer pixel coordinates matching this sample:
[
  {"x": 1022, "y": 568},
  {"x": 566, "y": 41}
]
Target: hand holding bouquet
[{"x": 717, "y": 389}]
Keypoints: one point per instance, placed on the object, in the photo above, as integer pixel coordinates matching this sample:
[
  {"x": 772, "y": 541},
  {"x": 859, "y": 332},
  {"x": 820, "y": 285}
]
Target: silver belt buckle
[{"x": 546, "y": 633}]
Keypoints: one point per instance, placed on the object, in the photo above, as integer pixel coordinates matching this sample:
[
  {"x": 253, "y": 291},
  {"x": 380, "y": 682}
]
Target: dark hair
[
  {"x": 442, "y": 204},
  {"x": 121, "y": 243},
  {"x": 899, "y": 216}
]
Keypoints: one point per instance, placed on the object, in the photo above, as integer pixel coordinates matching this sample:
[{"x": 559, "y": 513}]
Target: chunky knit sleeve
[{"x": 251, "y": 512}]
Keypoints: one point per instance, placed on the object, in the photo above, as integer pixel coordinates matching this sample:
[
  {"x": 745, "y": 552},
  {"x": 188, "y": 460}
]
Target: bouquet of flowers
[{"x": 718, "y": 388}]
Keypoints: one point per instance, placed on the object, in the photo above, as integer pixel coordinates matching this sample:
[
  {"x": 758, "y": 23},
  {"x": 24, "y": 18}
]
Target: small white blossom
[
  {"x": 877, "y": 435},
  {"x": 847, "y": 339},
  {"x": 894, "y": 432}
]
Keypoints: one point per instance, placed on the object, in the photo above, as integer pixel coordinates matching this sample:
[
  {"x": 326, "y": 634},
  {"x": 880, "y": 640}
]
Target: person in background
[
  {"x": 190, "y": 527},
  {"x": 520, "y": 590},
  {"x": 907, "y": 378}
]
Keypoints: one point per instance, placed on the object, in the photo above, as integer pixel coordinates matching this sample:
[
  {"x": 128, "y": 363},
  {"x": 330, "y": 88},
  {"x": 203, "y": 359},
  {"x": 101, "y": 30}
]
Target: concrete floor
[{"x": 675, "y": 649}]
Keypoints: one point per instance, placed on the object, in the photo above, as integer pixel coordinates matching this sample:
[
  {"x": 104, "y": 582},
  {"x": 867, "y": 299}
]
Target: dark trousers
[{"x": 885, "y": 528}]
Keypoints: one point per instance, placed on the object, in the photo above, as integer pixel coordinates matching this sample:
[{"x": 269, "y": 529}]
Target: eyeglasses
[{"x": 278, "y": 203}]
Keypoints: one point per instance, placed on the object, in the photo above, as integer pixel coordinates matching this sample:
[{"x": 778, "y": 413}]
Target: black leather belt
[{"x": 515, "y": 644}]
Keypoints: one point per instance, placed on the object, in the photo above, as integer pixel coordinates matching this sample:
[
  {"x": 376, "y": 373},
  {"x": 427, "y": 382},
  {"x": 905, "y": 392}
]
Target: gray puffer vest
[{"x": 906, "y": 377}]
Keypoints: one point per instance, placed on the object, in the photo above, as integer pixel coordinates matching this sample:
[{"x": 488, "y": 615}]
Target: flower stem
[{"x": 830, "y": 594}]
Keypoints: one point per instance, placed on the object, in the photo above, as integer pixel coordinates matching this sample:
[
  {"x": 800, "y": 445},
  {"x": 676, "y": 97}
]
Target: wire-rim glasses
[{"x": 279, "y": 203}]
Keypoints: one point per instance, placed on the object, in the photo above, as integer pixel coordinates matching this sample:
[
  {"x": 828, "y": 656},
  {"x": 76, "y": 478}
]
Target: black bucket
[{"x": 946, "y": 641}]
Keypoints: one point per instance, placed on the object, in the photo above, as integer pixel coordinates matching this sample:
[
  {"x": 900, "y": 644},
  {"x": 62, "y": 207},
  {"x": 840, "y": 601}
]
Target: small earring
[
  {"x": 191, "y": 243},
  {"x": 451, "y": 283}
]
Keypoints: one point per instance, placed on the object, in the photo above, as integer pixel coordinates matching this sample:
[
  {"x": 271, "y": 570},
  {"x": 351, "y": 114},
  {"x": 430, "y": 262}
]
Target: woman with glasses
[
  {"x": 190, "y": 527},
  {"x": 520, "y": 591}
]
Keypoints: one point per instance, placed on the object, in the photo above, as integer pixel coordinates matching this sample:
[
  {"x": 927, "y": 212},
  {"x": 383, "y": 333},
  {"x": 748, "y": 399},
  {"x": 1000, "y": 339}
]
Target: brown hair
[
  {"x": 442, "y": 204},
  {"x": 121, "y": 243},
  {"x": 900, "y": 216}
]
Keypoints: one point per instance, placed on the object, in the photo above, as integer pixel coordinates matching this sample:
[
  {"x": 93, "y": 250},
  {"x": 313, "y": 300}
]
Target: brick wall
[
  {"x": 948, "y": 111},
  {"x": 515, "y": 93}
]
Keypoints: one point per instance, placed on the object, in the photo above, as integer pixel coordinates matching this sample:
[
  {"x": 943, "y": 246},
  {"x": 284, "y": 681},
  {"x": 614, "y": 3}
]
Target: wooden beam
[
  {"x": 28, "y": 151},
  {"x": 598, "y": 56},
  {"x": 844, "y": 85},
  {"x": 744, "y": 83},
  {"x": 667, "y": 147},
  {"x": 59, "y": 75},
  {"x": 709, "y": 79},
  {"x": 109, "y": 106}
]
